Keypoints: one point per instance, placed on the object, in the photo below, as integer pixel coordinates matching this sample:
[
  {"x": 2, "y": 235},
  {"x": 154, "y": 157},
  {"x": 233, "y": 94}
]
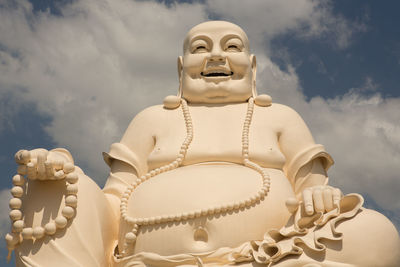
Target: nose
[{"x": 216, "y": 55}]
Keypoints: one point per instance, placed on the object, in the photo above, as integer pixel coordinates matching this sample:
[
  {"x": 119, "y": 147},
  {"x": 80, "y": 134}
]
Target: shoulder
[
  {"x": 283, "y": 109},
  {"x": 151, "y": 112},
  {"x": 280, "y": 112},
  {"x": 150, "y": 119},
  {"x": 145, "y": 119},
  {"x": 150, "y": 115}
]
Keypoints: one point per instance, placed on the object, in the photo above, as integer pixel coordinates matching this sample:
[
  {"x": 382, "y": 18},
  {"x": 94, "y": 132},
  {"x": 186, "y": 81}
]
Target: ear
[
  {"x": 180, "y": 66},
  {"x": 180, "y": 69},
  {"x": 254, "y": 74}
]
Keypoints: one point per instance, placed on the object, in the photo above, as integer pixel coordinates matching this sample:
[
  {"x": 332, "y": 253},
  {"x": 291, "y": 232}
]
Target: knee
[{"x": 370, "y": 239}]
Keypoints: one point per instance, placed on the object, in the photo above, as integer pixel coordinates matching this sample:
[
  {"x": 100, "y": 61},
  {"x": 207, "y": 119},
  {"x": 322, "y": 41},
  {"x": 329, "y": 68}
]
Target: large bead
[
  {"x": 72, "y": 189},
  {"x": 72, "y": 177},
  {"x": 38, "y": 232},
  {"x": 17, "y": 191},
  {"x": 22, "y": 170},
  {"x": 50, "y": 228},
  {"x": 15, "y": 203},
  {"x": 15, "y": 215},
  {"x": 27, "y": 233},
  {"x": 18, "y": 226},
  {"x": 68, "y": 212},
  {"x": 71, "y": 201},
  {"x": 61, "y": 222},
  {"x": 18, "y": 180},
  {"x": 172, "y": 102}
]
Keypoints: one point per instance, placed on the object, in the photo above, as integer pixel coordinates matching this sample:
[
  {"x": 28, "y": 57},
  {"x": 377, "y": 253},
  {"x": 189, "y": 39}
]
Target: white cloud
[
  {"x": 362, "y": 133},
  {"x": 94, "y": 67},
  {"x": 102, "y": 61},
  {"x": 267, "y": 19}
]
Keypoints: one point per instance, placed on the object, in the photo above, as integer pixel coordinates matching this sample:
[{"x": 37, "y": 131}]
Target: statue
[{"x": 218, "y": 175}]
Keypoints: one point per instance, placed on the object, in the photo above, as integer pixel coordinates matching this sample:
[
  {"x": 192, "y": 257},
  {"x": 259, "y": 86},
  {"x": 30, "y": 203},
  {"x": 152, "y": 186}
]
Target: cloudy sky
[{"x": 74, "y": 73}]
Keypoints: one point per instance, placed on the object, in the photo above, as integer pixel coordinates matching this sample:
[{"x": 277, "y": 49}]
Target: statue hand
[
  {"x": 42, "y": 164},
  {"x": 321, "y": 198}
]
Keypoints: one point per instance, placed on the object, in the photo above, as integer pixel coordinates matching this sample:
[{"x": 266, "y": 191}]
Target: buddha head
[{"x": 216, "y": 66}]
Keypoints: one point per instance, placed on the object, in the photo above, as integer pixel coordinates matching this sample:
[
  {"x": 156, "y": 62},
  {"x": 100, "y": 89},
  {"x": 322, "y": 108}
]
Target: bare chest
[{"x": 217, "y": 137}]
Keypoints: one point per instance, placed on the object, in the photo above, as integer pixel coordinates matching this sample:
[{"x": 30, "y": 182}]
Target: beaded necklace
[{"x": 135, "y": 223}]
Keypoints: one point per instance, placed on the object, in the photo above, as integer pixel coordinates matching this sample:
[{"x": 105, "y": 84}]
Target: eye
[
  {"x": 233, "y": 48},
  {"x": 200, "y": 49},
  {"x": 233, "y": 45},
  {"x": 199, "y": 46}
]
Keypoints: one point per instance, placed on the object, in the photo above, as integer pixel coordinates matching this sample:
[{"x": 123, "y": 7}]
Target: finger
[
  {"x": 22, "y": 156},
  {"x": 68, "y": 167},
  {"x": 308, "y": 202},
  {"x": 34, "y": 161},
  {"x": 318, "y": 200},
  {"x": 328, "y": 199},
  {"x": 49, "y": 169},
  {"x": 31, "y": 170},
  {"x": 41, "y": 170},
  {"x": 57, "y": 164},
  {"x": 59, "y": 175},
  {"x": 337, "y": 195}
]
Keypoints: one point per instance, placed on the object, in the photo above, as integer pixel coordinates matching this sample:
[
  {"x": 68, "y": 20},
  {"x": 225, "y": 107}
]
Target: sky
[{"x": 73, "y": 73}]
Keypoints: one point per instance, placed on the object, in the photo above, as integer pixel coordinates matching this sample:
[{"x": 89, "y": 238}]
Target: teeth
[{"x": 217, "y": 73}]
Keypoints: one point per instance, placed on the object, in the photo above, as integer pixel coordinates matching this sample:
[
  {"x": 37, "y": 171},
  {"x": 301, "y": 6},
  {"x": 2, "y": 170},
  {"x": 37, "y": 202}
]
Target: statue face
[{"x": 216, "y": 66}]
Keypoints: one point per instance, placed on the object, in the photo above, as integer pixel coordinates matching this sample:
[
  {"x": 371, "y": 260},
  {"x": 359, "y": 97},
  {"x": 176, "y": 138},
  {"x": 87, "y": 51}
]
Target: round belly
[{"x": 205, "y": 186}]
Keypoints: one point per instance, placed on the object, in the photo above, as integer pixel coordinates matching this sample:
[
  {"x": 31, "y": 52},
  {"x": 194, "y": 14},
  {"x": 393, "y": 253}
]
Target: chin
[{"x": 217, "y": 93}]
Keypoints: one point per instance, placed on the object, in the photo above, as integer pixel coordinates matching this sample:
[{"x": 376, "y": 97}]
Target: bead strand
[
  {"x": 19, "y": 230},
  {"x": 245, "y": 153},
  {"x": 130, "y": 237}
]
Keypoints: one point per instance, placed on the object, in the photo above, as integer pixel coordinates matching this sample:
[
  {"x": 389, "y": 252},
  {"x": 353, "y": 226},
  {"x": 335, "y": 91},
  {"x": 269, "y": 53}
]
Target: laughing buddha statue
[{"x": 216, "y": 176}]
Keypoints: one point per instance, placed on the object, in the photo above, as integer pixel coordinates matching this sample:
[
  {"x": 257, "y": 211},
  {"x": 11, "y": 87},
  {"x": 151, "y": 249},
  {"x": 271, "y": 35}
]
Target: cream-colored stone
[{"x": 208, "y": 178}]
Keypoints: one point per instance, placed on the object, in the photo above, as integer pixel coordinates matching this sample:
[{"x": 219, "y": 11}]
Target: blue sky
[{"x": 74, "y": 73}]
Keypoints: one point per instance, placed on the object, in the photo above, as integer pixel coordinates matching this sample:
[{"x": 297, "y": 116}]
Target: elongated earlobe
[
  {"x": 254, "y": 75},
  {"x": 180, "y": 75},
  {"x": 262, "y": 100},
  {"x": 174, "y": 101}
]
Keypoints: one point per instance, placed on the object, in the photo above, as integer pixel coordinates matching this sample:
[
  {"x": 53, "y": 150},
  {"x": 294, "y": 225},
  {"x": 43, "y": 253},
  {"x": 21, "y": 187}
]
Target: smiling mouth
[{"x": 217, "y": 74}]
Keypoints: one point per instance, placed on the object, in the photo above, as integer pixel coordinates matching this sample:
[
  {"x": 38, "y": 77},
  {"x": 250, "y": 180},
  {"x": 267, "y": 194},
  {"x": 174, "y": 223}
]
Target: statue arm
[
  {"x": 306, "y": 162},
  {"x": 128, "y": 158},
  {"x": 311, "y": 174},
  {"x": 121, "y": 174}
]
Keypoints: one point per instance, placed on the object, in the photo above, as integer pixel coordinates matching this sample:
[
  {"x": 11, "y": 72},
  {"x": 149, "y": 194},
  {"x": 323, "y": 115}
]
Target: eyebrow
[
  {"x": 199, "y": 37},
  {"x": 231, "y": 36}
]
